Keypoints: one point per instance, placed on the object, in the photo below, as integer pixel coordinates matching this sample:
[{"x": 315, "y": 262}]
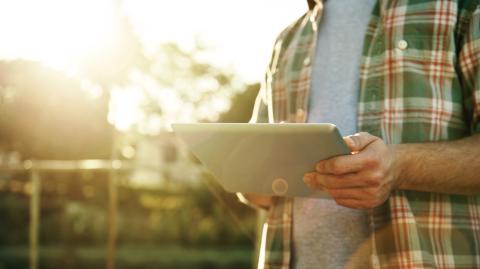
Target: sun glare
[
  {"x": 63, "y": 34},
  {"x": 124, "y": 107},
  {"x": 240, "y": 33},
  {"x": 58, "y": 33}
]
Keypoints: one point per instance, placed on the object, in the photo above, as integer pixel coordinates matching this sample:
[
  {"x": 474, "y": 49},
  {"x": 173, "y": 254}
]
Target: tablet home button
[{"x": 279, "y": 186}]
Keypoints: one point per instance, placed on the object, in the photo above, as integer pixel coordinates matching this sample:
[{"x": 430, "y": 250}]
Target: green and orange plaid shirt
[{"x": 419, "y": 82}]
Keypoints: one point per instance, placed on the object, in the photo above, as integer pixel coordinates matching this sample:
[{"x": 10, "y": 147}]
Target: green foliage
[
  {"x": 242, "y": 105},
  {"x": 74, "y": 212},
  {"x": 176, "y": 86},
  {"x": 189, "y": 215},
  {"x": 131, "y": 256},
  {"x": 46, "y": 115}
]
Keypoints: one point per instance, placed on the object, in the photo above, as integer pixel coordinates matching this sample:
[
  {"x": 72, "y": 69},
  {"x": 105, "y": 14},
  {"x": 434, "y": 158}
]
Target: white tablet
[{"x": 268, "y": 159}]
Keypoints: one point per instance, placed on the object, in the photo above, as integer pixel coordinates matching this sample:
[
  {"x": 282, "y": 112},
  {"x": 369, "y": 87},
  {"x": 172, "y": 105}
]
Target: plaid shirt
[{"x": 419, "y": 82}]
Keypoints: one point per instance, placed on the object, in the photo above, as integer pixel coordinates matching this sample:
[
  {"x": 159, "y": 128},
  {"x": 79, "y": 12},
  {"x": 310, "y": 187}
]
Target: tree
[{"x": 46, "y": 115}]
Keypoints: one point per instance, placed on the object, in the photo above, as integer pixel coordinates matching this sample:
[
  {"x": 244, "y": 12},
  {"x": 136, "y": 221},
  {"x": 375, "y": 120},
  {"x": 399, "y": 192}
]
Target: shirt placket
[{"x": 301, "y": 113}]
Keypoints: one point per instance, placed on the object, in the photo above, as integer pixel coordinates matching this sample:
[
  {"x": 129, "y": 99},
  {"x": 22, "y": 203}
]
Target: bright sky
[
  {"x": 56, "y": 32},
  {"x": 59, "y": 32}
]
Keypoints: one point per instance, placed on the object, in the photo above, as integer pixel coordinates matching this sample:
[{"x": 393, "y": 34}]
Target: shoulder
[{"x": 288, "y": 32}]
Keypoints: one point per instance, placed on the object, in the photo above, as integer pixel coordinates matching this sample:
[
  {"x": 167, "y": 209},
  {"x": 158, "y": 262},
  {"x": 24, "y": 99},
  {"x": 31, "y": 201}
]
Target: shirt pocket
[
  {"x": 421, "y": 34},
  {"x": 425, "y": 89},
  {"x": 412, "y": 61}
]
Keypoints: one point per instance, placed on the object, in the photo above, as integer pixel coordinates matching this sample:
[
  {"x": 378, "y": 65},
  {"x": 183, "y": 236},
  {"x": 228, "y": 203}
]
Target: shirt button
[
  {"x": 375, "y": 261},
  {"x": 300, "y": 115},
  {"x": 307, "y": 61},
  {"x": 402, "y": 45},
  {"x": 300, "y": 112}
]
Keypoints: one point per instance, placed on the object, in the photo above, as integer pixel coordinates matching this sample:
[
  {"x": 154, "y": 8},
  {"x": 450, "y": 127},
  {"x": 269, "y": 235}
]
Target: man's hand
[
  {"x": 362, "y": 180},
  {"x": 255, "y": 200}
]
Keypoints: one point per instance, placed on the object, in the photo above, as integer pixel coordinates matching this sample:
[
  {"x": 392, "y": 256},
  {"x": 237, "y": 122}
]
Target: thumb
[{"x": 359, "y": 141}]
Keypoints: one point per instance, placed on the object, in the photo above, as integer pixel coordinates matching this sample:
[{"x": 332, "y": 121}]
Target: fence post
[
  {"x": 34, "y": 217},
  {"x": 112, "y": 217}
]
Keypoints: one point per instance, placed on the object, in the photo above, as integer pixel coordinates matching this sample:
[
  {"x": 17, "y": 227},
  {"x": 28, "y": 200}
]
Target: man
[{"x": 409, "y": 195}]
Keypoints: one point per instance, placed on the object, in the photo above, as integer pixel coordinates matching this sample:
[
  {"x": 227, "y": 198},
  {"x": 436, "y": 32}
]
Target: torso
[{"x": 326, "y": 235}]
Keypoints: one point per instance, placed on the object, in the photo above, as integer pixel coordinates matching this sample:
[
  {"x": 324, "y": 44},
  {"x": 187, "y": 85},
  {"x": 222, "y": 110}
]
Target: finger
[
  {"x": 309, "y": 179},
  {"x": 363, "y": 194},
  {"x": 359, "y": 141},
  {"x": 343, "y": 164},
  {"x": 340, "y": 182},
  {"x": 352, "y": 203},
  {"x": 350, "y": 143}
]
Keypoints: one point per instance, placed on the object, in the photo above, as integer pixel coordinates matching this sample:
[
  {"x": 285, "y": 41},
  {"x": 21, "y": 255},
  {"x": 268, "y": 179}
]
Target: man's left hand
[{"x": 362, "y": 180}]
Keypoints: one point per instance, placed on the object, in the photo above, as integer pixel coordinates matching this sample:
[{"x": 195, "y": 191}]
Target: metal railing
[
  {"x": 113, "y": 167},
  {"x": 34, "y": 167}
]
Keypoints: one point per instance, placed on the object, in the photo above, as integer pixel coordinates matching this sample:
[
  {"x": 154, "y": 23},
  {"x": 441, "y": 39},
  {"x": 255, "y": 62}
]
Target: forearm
[{"x": 445, "y": 167}]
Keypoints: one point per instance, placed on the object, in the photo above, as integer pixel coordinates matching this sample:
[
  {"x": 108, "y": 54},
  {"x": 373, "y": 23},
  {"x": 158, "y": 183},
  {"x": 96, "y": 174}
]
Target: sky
[{"x": 239, "y": 34}]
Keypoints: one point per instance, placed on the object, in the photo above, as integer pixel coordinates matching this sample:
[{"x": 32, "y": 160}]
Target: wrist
[{"x": 399, "y": 153}]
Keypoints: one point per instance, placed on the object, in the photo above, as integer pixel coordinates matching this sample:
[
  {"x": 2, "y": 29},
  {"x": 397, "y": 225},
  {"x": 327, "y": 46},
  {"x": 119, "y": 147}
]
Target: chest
[{"x": 407, "y": 75}]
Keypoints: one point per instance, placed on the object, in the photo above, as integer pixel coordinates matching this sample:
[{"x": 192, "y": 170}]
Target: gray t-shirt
[{"x": 326, "y": 235}]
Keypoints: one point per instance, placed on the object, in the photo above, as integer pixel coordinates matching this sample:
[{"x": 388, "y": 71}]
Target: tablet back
[{"x": 262, "y": 158}]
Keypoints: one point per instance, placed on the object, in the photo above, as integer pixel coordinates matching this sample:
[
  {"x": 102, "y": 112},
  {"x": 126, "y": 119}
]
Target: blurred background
[{"x": 90, "y": 174}]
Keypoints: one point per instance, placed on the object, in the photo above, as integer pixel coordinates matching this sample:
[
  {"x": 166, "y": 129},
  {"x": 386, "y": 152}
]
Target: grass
[{"x": 131, "y": 257}]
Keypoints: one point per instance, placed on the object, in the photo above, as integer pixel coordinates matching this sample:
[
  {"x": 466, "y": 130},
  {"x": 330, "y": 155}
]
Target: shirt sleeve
[
  {"x": 469, "y": 64},
  {"x": 260, "y": 112},
  {"x": 260, "y": 108}
]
